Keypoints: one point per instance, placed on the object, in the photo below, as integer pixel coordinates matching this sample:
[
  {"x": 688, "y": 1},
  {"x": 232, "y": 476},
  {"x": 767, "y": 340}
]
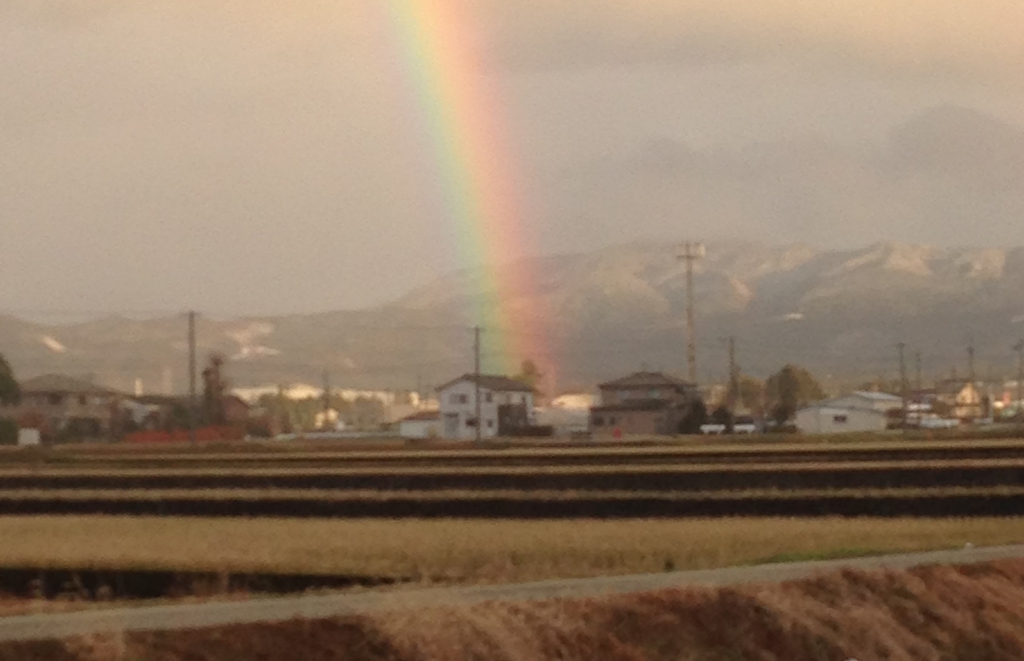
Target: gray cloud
[
  {"x": 919, "y": 37},
  {"x": 949, "y": 176},
  {"x": 256, "y": 155}
]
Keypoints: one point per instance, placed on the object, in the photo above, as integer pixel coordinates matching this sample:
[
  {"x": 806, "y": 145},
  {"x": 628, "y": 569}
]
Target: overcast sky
[{"x": 265, "y": 156}]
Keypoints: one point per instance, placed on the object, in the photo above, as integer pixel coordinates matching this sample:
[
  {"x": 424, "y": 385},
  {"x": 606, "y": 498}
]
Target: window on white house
[
  {"x": 463, "y": 399},
  {"x": 598, "y": 421},
  {"x": 490, "y": 424},
  {"x": 488, "y": 398},
  {"x": 839, "y": 419}
]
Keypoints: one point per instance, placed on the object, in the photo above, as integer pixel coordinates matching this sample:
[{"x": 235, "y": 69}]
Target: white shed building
[
  {"x": 422, "y": 424},
  {"x": 506, "y": 406},
  {"x": 837, "y": 418}
]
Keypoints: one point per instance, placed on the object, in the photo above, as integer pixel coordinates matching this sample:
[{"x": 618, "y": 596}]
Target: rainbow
[{"x": 475, "y": 171}]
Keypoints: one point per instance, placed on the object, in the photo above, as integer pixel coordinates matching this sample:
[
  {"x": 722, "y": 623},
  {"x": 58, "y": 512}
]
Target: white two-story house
[{"x": 506, "y": 407}]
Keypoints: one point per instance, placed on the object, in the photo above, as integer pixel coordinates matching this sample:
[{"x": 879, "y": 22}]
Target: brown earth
[{"x": 970, "y": 613}]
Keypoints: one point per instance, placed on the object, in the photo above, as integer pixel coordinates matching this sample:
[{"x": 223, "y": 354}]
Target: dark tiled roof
[
  {"x": 60, "y": 383},
  {"x": 647, "y": 380},
  {"x": 422, "y": 415},
  {"x": 497, "y": 383}
]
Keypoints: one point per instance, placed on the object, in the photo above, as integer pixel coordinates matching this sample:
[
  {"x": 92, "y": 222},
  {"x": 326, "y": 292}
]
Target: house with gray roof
[
  {"x": 643, "y": 403},
  {"x": 63, "y": 406},
  {"x": 506, "y": 407}
]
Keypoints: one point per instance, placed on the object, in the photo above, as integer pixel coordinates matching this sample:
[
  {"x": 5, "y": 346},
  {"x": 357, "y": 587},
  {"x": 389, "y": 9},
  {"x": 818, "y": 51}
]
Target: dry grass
[
  {"x": 467, "y": 551},
  {"x": 928, "y": 614}
]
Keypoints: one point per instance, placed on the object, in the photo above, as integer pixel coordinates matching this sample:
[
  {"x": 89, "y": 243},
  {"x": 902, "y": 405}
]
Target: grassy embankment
[
  {"x": 465, "y": 551},
  {"x": 926, "y": 614}
]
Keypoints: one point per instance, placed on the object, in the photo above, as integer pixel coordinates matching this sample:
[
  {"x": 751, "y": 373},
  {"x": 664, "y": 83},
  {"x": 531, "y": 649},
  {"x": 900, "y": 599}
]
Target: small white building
[
  {"x": 563, "y": 421},
  {"x": 29, "y": 437},
  {"x": 506, "y": 407},
  {"x": 837, "y": 418},
  {"x": 422, "y": 424}
]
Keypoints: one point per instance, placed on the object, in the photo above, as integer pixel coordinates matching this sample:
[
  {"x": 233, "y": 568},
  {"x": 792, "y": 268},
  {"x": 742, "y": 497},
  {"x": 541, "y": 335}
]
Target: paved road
[{"x": 191, "y": 616}]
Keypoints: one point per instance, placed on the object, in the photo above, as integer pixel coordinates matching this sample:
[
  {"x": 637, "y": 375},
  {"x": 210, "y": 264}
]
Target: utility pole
[
  {"x": 192, "y": 377},
  {"x": 690, "y": 253},
  {"x": 970, "y": 359},
  {"x": 327, "y": 398},
  {"x": 917, "y": 370},
  {"x": 903, "y": 381},
  {"x": 1020, "y": 379},
  {"x": 476, "y": 381},
  {"x": 734, "y": 377}
]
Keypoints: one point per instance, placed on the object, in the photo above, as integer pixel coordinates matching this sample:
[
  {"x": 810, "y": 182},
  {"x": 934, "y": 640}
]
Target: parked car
[
  {"x": 939, "y": 423},
  {"x": 745, "y": 425}
]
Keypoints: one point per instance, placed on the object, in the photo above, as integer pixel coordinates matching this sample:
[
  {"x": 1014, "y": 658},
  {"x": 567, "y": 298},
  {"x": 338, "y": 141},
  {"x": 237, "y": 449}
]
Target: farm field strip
[
  {"x": 683, "y": 448},
  {"x": 52, "y": 471},
  {"x": 497, "y": 494},
  {"x": 468, "y": 551},
  {"x": 964, "y": 505},
  {"x": 424, "y": 463}
]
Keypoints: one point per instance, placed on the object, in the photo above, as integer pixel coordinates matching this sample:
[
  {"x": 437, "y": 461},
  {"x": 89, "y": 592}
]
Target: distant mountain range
[{"x": 839, "y": 312}]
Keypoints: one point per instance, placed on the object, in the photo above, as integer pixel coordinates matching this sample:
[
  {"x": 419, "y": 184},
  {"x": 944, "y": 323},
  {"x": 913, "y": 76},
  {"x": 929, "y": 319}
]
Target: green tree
[
  {"x": 694, "y": 418},
  {"x": 789, "y": 389},
  {"x": 723, "y": 416},
  {"x": 10, "y": 393},
  {"x": 751, "y": 393},
  {"x": 8, "y": 432},
  {"x": 214, "y": 389},
  {"x": 530, "y": 374}
]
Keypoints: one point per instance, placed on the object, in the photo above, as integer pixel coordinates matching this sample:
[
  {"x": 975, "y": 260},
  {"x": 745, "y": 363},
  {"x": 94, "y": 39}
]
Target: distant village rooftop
[
  {"x": 60, "y": 383},
  {"x": 878, "y": 396},
  {"x": 422, "y": 415},
  {"x": 491, "y": 382},
  {"x": 647, "y": 380}
]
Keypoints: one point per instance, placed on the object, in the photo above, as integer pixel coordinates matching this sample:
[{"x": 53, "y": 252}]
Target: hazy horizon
[{"x": 257, "y": 158}]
